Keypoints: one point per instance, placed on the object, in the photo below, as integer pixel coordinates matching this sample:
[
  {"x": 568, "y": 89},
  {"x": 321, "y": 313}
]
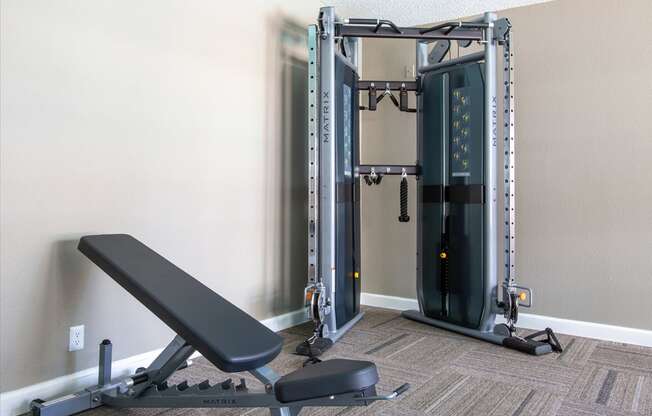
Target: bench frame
[
  {"x": 142, "y": 272},
  {"x": 148, "y": 388}
]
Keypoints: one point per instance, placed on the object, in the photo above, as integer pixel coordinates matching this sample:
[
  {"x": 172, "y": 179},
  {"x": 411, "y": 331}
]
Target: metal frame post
[
  {"x": 104, "y": 368},
  {"x": 321, "y": 290},
  {"x": 510, "y": 164},
  {"x": 313, "y": 160},
  {"x": 421, "y": 54},
  {"x": 490, "y": 172},
  {"x": 173, "y": 357},
  {"x": 327, "y": 183}
]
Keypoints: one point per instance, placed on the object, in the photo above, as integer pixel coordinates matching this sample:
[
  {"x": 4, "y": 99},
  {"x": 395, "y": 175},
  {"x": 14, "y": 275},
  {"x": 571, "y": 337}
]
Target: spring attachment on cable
[{"x": 404, "y": 217}]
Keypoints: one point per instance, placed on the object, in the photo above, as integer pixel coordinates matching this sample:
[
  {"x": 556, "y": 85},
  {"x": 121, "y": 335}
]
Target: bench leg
[{"x": 285, "y": 411}]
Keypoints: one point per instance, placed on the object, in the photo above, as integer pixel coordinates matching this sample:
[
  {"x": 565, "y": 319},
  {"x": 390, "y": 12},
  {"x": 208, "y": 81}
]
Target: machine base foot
[
  {"x": 483, "y": 335},
  {"x": 500, "y": 336}
]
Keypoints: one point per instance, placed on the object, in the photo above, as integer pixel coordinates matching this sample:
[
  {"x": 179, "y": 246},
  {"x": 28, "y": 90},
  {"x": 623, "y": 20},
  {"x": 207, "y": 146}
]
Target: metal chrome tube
[
  {"x": 510, "y": 162},
  {"x": 313, "y": 160},
  {"x": 472, "y": 57},
  {"x": 490, "y": 162},
  {"x": 328, "y": 184},
  {"x": 422, "y": 54}
]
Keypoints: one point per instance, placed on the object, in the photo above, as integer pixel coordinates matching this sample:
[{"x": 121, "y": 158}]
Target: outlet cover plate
[{"x": 76, "y": 338}]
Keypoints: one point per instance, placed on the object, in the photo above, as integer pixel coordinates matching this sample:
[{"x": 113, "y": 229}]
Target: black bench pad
[
  {"x": 326, "y": 378},
  {"x": 228, "y": 337}
]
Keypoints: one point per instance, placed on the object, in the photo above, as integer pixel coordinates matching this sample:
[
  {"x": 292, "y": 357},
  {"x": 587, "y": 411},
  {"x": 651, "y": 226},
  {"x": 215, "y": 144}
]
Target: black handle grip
[
  {"x": 358, "y": 21},
  {"x": 402, "y": 389},
  {"x": 404, "y": 217},
  {"x": 527, "y": 346}
]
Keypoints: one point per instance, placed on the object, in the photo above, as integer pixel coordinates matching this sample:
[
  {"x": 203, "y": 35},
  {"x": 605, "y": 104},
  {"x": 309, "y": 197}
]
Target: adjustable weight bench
[{"x": 225, "y": 335}]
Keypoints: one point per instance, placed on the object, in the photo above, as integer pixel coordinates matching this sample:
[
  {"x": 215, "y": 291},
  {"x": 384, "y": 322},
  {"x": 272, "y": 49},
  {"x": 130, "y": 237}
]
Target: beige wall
[
  {"x": 152, "y": 118},
  {"x": 149, "y": 118},
  {"x": 387, "y": 136},
  {"x": 584, "y": 128}
]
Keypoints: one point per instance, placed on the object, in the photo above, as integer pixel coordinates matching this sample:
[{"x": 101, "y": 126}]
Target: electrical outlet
[{"x": 76, "y": 339}]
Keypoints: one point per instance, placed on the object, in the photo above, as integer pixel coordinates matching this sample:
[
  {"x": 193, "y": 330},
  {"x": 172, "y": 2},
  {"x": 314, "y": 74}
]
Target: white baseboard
[
  {"x": 17, "y": 401},
  {"x": 563, "y": 326},
  {"x": 388, "y": 302},
  {"x": 586, "y": 329},
  {"x": 287, "y": 320}
]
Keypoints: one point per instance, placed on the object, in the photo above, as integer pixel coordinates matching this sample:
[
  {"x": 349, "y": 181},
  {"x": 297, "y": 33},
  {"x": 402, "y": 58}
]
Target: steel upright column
[
  {"x": 313, "y": 160},
  {"x": 327, "y": 185},
  {"x": 490, "y": 171}
]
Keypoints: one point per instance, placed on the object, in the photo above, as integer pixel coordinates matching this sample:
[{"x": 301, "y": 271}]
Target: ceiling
[{"x": 417, "y": 12}]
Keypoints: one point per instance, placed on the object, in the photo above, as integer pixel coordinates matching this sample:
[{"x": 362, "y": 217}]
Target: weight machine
[{"x": 458, "y": 123}]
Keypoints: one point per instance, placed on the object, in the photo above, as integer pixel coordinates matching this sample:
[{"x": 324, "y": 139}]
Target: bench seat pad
[
  {"x": 225, "y": 335},
  {"x": 326, "y": 378}
]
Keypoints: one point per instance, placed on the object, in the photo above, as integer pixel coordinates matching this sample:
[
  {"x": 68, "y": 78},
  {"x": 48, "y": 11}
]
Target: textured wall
[
  {"x": 151, "y": 118},
  {"x": 584, "y": 139}
]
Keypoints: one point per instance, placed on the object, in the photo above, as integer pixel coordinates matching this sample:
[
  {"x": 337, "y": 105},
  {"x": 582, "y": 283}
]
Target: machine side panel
[
  {"x": 347, "y": 276},
  {"x": 453, "y": 280},
  {"x": 431, "y": 213}
]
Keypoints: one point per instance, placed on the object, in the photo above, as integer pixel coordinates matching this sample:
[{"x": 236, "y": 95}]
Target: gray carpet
[{"x": 454, "y": 375}]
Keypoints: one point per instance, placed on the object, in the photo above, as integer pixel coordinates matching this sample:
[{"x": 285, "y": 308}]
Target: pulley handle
[{"x": 404, "y": 217}]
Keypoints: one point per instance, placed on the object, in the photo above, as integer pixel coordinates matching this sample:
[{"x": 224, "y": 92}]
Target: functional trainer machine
[
  {"x": 225, "y": 335},
  {"x": 458, "y": 188}
]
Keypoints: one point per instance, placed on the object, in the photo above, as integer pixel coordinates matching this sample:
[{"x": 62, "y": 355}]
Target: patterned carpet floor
[{"x": 455, "y": 375}]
